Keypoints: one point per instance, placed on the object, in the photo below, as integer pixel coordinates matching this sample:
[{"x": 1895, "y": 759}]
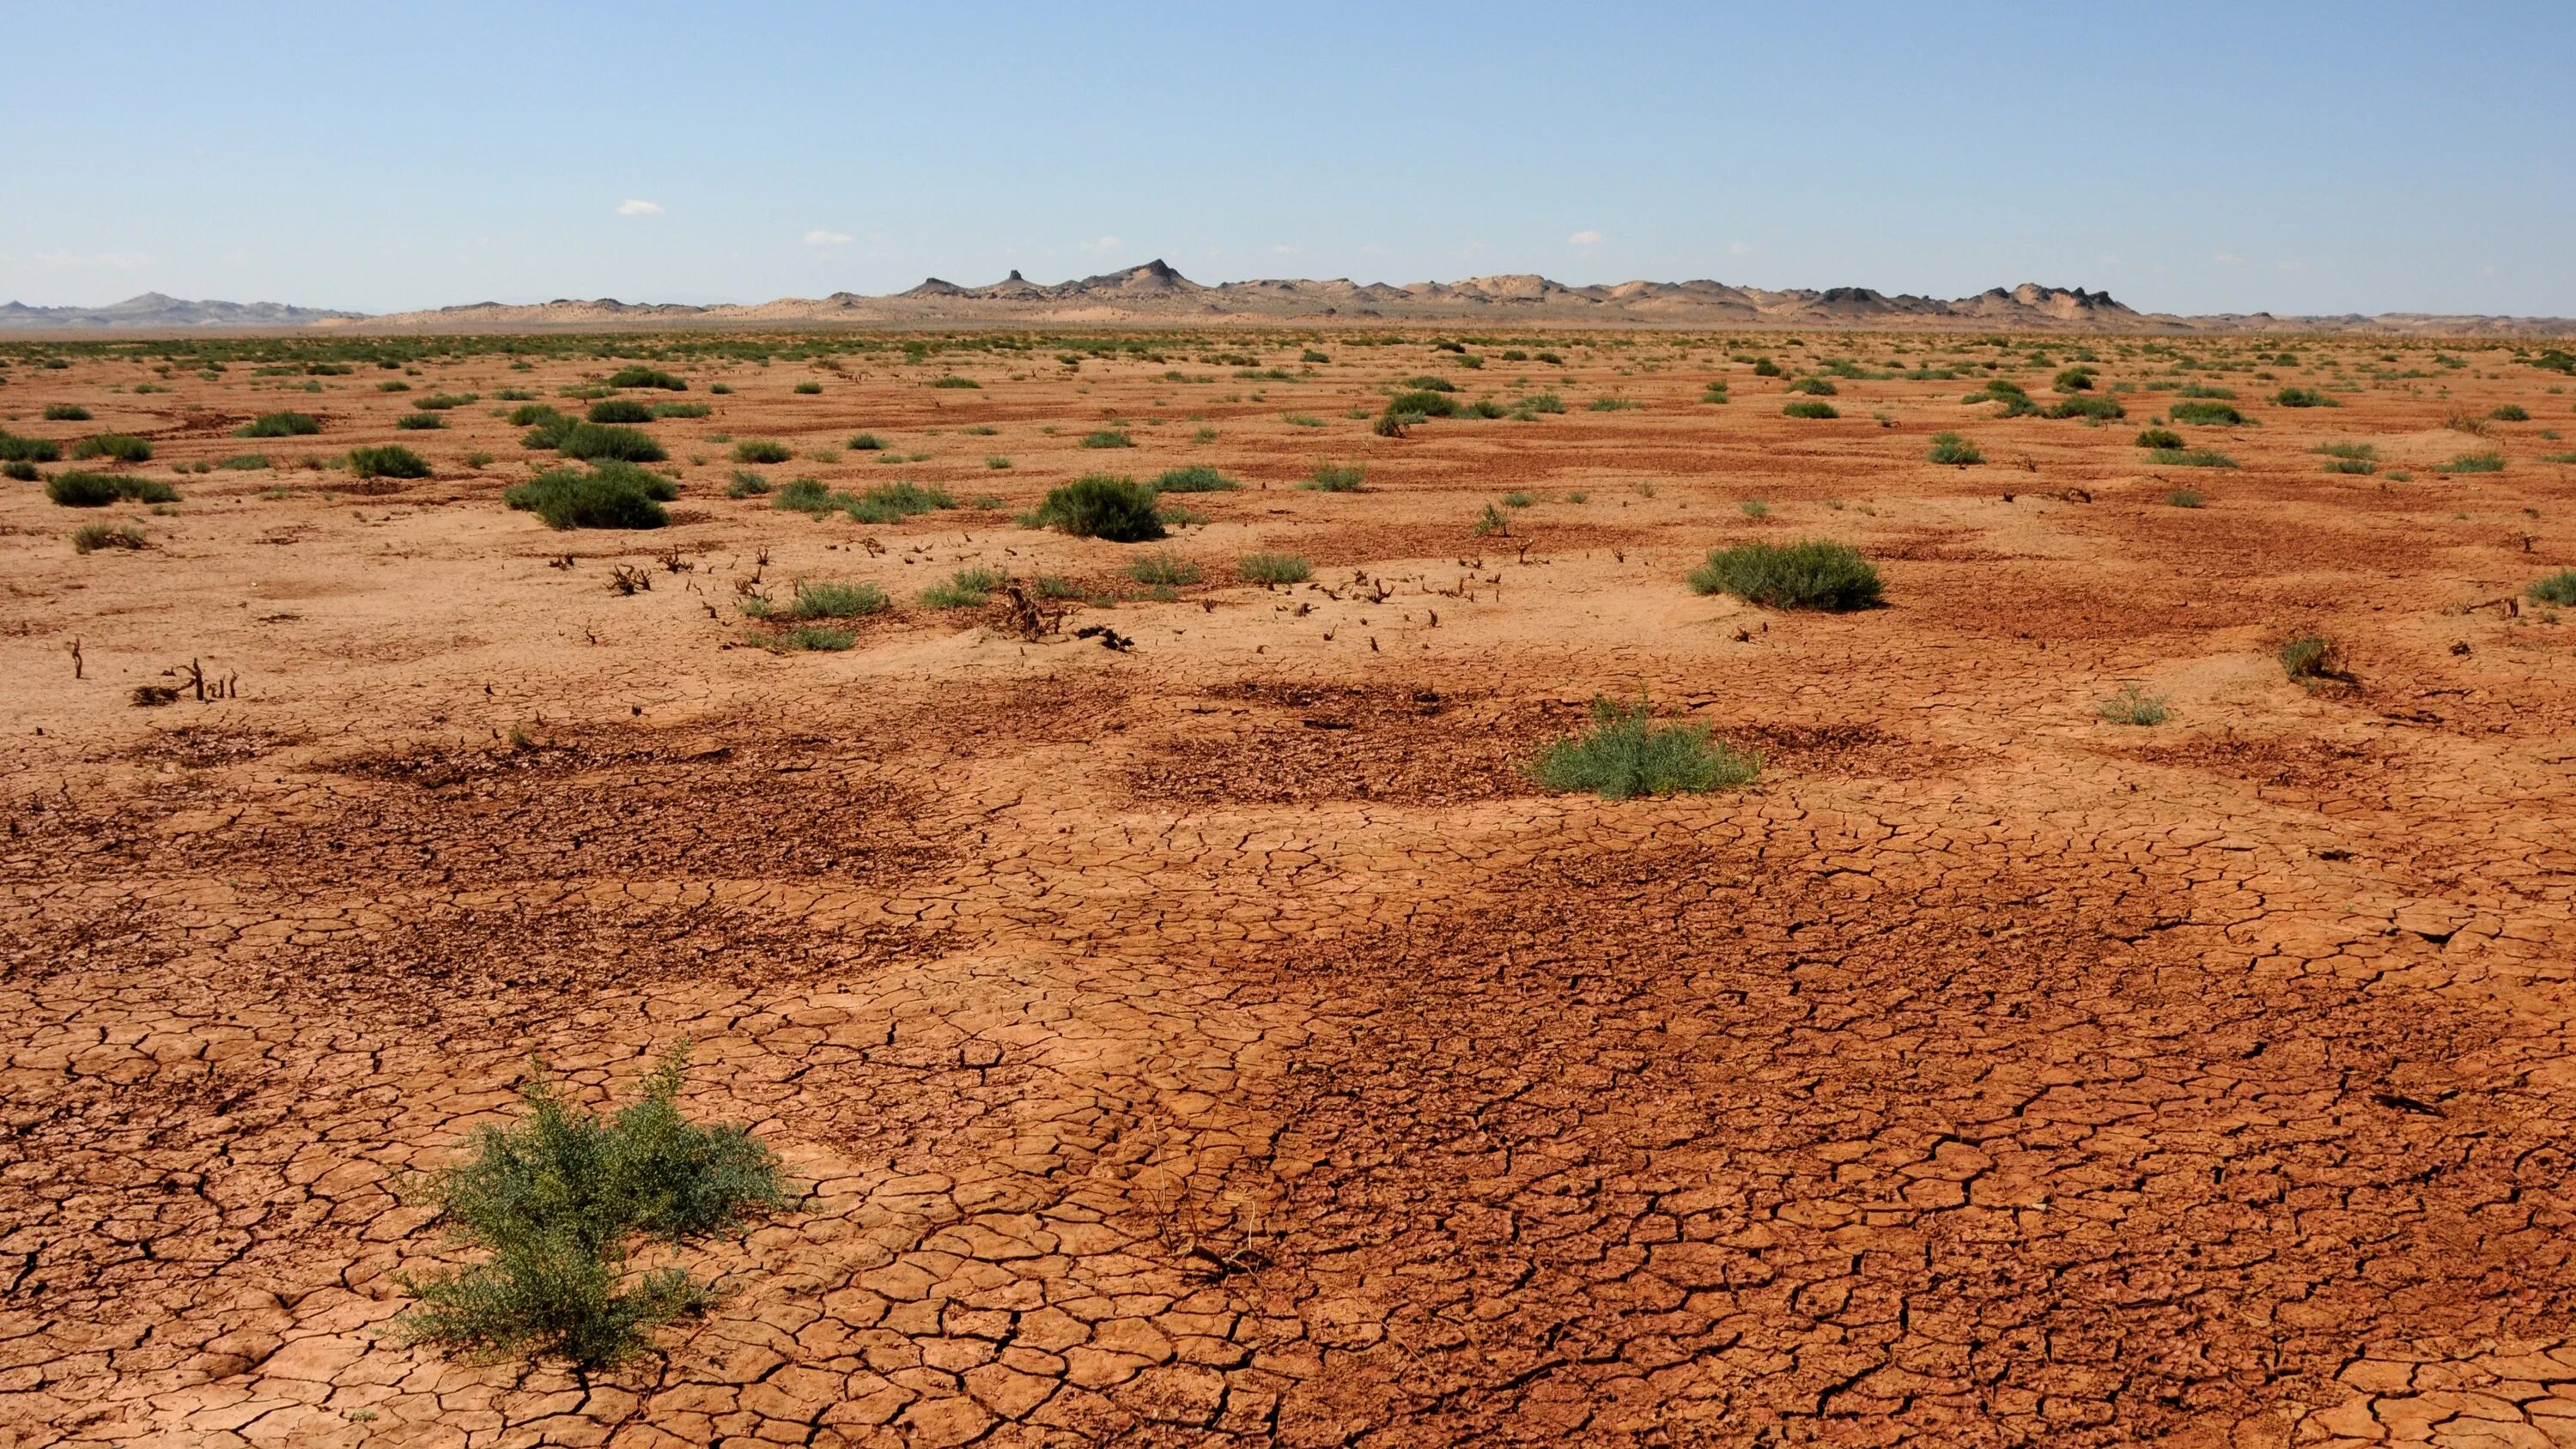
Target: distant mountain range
[{"x": 1155, "y": 293}]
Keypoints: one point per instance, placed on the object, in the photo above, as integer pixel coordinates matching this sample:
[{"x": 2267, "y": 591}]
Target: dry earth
[{"x": 1221, "y": 1041}]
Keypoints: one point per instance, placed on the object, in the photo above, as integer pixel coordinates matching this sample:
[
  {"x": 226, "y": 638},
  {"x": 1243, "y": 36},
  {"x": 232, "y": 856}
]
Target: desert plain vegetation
[{"x": 1298, "y": 886}]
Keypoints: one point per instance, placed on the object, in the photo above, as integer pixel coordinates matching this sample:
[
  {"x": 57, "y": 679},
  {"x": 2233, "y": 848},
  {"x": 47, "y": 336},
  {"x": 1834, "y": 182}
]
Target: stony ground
[{"x": 1220, "y": 1041}]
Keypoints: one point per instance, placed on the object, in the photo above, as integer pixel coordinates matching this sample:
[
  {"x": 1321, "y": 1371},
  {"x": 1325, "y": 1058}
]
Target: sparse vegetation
[
  {"x": 2475, "y": 463},
  {"x": 642, "y": 376},
  {"x": 619, "y": 410},
  {"x": 78, "y": 489},
  {"x": 2558, "y": 588},
  {"x": 1815, "y": 574},
  {"x": 1809, "y": 408},
  {"x": 392, "y": 460},
  {"x": 826, "y": 600},
  {"x": 66, "y": 413},
  {"x": 2190, "y": 458},
  {"x": 2134, "y": 706},
  {"x": 1952, "y": 448},
  {"x": 969, "y": 588},
  {"x": 2185, "y": 498},
  {"x": 1195, "y": 479},
  {"x": 279, "y": 425},
  {"x": 761, "y": 450},
  {"x": 91, "y": 537},
  {"x": 1626, "y": 753},
  {"x": 2207, "y": 414},
  {"x": 121, "y": 447},
  {"x": 892, "y": 502},
  {"x": 1336, "y": 478},
  {"x": 2311, "y": 657},
  {"x": 1163, "y": 570},
  {"x": 1271, "y": 569},
  {"x": 609, "y": 494},
  {"x": 1101, "y": 505},
  {"x": 1107, "y": 438}
]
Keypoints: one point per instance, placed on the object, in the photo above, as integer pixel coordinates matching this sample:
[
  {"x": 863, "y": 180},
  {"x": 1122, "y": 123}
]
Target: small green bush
[
  {"x": 2133, "y": 706},
  {"x": 66, "y": 413},
  {"x": 533, "y": 415},
  {"x": 389, "y": 461},
  {"x": 1626, "y": 753},
  {"x": 866, "y": 443},
  {"x": 892, "y": 502},
  {"x": 1809, "y": 408},
  {"x": 123, "y": 447},
  {"x": 1281, "y": 568},
  {"x": 2511, "y": 413},
  {"x": 1814, "y": 387},
  {"x": 1107, "y": 438},
  {"x": 619, "y": 410},
  {"x": 595, "y": 442},
  {"x": 91, "y": 537},
  {"x": 2190, "y": 458},
  {"x": 1101, "y": 505},
  {"x": 2185, "y": 498},
  {"x": 953, "y": 380},
  {"x": 2303, "y": 397},
  {"x": 279, "y": 425},
  {"x": 2160, "y": 438},
  {"x": 1952, "y": 448},
  {"x": 1815, "y": 574},
  {"x": 2073, "y": 379},
  {"x": 1164, "y": 570},
  {"x": 814, "y": 637},
  {"x": 761, "y": 450},
  {"x": 2082, "y": 405},
  {"x": 1422, "y": 404},
  {"x": 821, "y": 600},
  {"x": 2475, "y": 463},
  {"x": 2311, "y": 656},
  {"x": 245, "y": 462},
  {"x": 965, "y": 589},
  {"x": 28, "y": 450},
  {"x": 554, "y": 1201},
  {"x": 1336, "y": 478},
  {"x": 21, "y": 472},
  {"x": 642, "y": 376},
  {"x": 610, "y": 494},
  {"x": 2559, "y": 588},
  {"x": 746, "y": 484},
  {"x": 1195, "y": 479},
  {"x": 420, "y": 422},
  {"x": 2208, "y": 414},
  {"x": 96, "y": 490}
]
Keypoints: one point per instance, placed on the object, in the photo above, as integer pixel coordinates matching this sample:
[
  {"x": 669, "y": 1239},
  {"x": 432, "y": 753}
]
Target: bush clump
[
  {"x": 280, "y": 425},
  {"x": 1268, "y": 569},
  {"x": 1421, "y": 403},
  {"x": 2209, "y": 414},
  {"x": 1809, "y": 408},
  {"x": 1196, "y": 479},
  {"x": 893, "y": 502},
  {"x": 1952, "y": 448},
  {"x": 1336, "y": 478},
  {"x": 611, "y": 494},
  {"x": 419, "y": 422},
  {"x": 642, "y": 376},
  {"x": 825, "y": 600},
  {"x": 619, "y": 410},
  {"x": 91, "y": 537},
  {"x": 2134, "y": 706},
  {"x": 97, "y": 490},
  {"x": 1106, "y": 438},
  {"x": 1815, "y": 574},
  {"x": 1164, "y": 570},
  {"x": 123, "y": 447},
  {"x": 1626, "y": 753},
  {"x": 2559, "y": 588},
  {"x": 66, "y": 413},
  {"x": 390, "y": 461},
  {"x": 761, "y": 450},
  {"x": 555, "y": 1201},
  {"x": 2086, "y": 405},
  {"x": 14, "y": 449},
  {"x": 1100, "y": 505},
  {"x": 2311, "y": 656},
  {"x": 2159, "y": 438}
]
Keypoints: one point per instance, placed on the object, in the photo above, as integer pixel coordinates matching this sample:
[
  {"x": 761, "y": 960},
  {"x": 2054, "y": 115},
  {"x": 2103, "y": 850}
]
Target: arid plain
[{"x": 1221, "y": 1039}]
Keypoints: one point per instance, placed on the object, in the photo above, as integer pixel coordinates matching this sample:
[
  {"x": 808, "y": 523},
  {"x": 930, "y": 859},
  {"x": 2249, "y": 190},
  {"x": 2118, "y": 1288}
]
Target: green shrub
[
  {"x": 2210, "y": 414},
  {"x": 1814, "y": 387},
  {"x": 22, "y": 472},
  {"x": 1809, "y": 408},
  {"x": 123, "y": 447},
  {"x": 2190, "y": 458},
  {"x": 761, "y": 450},
  {"x": 1195, "y": 479},
  {"x": 245, "y": 462},
  {"x": 953, "y": 380},
  {"x": 1814, "y": 574},
  {"x": 279, "y": 425},
  {"x": 393, "y": 384},
  {"x": 2073, "y": 379},
  {"x": 964, "y": 589},
  {"x": 807, "y": 495},
  {"x": 892, "y": 502},
  {"x": 1611, "y": 405},
  {"x": 1765, "y": 367},
  {"x": 2184, "y": 498},
  {"x": 91, "y": 537},
  {"x": 555, "y": 1199},
  {"x": 536, "y": 415},
  {"x": 1107, "y": 438},
  {"x": 2511, "y": 413},
  {"x": 29, "y": 450},
  {"x": 66, "y": 413},
  {"x": 2475, "y": 463},
  {"x": 1100, "y": 505},
  {"x": 2311, "y": 656},
  {"x": 2133, "y": 706},
  {"x": 419, "y": 422},
  {"x": 619, "y": 410},
  {"x": 611, "y": 494},
  {"x": 444, "y": 402},
  {"x": 866, "y": 443},
  {"x": 680, "y": 410},
  {"x": 837, "y": 601},
  {"x": 97, "y": 490},
  {"x": 2559, "y": 588},
  {"x": 389, "y": 461},
  {"x": 2303, "y": 397},
  {"x": 746, "y": 484},
  {"x": 1952, "y": 448},
  {"x": 2100, "y": 409},
  {"x": 1164, "y": 570},
  {"x": 1336, "y": 478},
  {"x": 2159, "y": 438},
  {"x": 598, "y": 442},
  {"x": 642, "y": 376},
  {"x": 1278, "y": 568},
  {"x": 1422, "y": 404},
  {"x": 1626, "y": 753},
  {"x": 814, "y": 637}
]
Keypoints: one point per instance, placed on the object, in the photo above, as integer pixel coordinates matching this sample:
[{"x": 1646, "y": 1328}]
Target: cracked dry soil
[{"x": 1221, "y": 1042}]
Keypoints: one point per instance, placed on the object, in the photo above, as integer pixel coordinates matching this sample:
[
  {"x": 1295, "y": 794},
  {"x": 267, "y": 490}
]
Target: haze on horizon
[{"x": 2298, "y": 158}]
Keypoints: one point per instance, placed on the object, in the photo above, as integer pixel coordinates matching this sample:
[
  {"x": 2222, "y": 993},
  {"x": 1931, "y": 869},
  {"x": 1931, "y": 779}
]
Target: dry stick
[{"x": 76, "y": 658}]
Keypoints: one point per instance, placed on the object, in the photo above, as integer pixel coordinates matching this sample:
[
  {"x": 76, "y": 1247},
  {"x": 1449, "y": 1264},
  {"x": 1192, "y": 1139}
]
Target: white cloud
[
  {"x": 632, "y": 207},
  {"x": 1102, "y": 244},
  {"x": 1739, "y": 249},
  {"x": 1586, "y": 238},
  {"x": 2228, "y": 259},
  {"x": 821, "y": 238}
]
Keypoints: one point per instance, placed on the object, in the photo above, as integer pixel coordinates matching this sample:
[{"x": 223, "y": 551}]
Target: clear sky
[{"x": 2289, "y": 156}]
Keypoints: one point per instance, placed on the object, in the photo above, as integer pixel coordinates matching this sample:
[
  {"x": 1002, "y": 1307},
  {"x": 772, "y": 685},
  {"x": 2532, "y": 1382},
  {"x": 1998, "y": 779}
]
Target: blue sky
[{"x": 2286, "y": 156}]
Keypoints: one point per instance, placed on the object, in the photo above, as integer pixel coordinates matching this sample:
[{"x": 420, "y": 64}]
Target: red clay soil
[{"x": 1222, "y": 1040}]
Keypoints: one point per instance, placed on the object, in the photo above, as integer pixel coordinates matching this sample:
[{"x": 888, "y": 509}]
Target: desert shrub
[
  {"x": 2159, "y": 438},
  {"x": 1952, "y": 448},
  {"x": 761, "y": 450},
  {"x": 808, "y": 495},
  {"x": 641, "y": 376},
  {"x": 2190, "y": 458},
  {"x": 123, "y": 447},
  {"x": 1198, "y": 478},
  {"x": 610, "y": 494},
  {"x": 2133, "y": 706},
  {"x": 555, "y": 1199},
  {"x": 445, "y": 402},
  {"x": 2209, "y": 414},
  {"x": 807, "y": 389},
  {"x": 953, "y": 380},
  {"x": 1626, "y": 753},
  {"x": 964, "y": 589},
  {"x": 393, "y": 384},
  {"x": 2311, "y": 656},
  {"x": 392, "y": 460},
  {"x": 2350, "y": 457},
  {"x": 2185, "y": 498},
  {"x": 2099, "y": 409},
  {"x": 66, "y": 413},
  {"x": 746, "y": 484},
  {"x": 891, "y": 502},
  {"x": 1611, "y": 405},
  {"x": 1814, "y": 387},
  {"x": 21, "y": 472},
  {"x": 28, "y": 450},
  {"x": 534, "y": 415},
  {"x": 2475, "y": 463},
  {"x": 245, "y": 462},
  {"x": 597, "y": 442},
  {"x": 1100, "y": 505},
  {"x": 619, "y": 410},
  {"x": 2073, "y": 379},
  {"x": 1163, "y": 570},
  {"x": 2303, "y": 397},
  {"x": 1106, "y": 438},
  {"x": 1422, "y": 404},
  {"x": 96, "y": 490},
  {"x": 1336, "y": 478},
  {"x": 1765, "y": 367},
  {"x": 419, "y": 422},
  {"x": 1809, "y": 408},
  {"x": 1281, "y": 568},
  {"x": 91, "y": 537},
  {"x": 2511, "y": 413},
  {"x": 866, "y": 443},
  {"x": 279, "y": 425},
  {"x": 1815, "y": 574},
  {"x": 823, "y": 600},
  {"x": 822, "y": 638},
  {"x": 681, "y": 410},
  {"x": 2559, "y": 588}
]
